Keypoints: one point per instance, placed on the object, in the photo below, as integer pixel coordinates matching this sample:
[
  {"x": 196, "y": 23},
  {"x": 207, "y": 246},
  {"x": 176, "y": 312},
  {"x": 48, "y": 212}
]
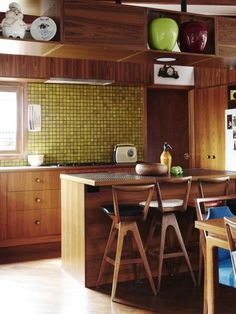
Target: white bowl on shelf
[{"x": 35, "y": 160}]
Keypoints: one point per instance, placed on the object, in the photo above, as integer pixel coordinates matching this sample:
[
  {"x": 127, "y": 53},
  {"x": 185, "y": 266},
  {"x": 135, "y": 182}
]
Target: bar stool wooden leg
[
  {"x": 164, "y": 226},
  {"x": 131, "y": 245},
  {"x": 110, "y": 241},
  {"x": 120, "y": 241},
  {"x": 143, "y": 256},
  {"x": 181, "y": 242},
  {"x": 151, "y": 232}
]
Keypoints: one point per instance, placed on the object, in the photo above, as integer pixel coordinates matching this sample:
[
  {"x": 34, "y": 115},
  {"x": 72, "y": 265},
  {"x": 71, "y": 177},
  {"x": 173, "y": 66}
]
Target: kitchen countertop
[
  {"x": 62, "y": 168},
  {"x": 103, "y": 179}
]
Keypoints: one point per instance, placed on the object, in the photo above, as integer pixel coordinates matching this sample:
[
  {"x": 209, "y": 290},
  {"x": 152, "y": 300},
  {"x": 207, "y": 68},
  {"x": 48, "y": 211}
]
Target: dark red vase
[{"x": 193, "y": 36}]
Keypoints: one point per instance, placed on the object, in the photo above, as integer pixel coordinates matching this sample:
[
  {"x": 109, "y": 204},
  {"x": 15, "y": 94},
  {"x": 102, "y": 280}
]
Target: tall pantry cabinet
[{"x": 209, "y": 109}]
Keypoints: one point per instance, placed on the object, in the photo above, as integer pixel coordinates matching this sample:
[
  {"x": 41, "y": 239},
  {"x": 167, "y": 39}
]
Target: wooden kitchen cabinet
[
  {"x": 24, "y": 224},
  {"x": 168, "y": 118},
  {"x": 210, "y": 105},
  {"x": 30, "y": 203},
  {"x": 226, "y": 37},
  {"x": 33, "y": 180},
  {"x": 103, "y": 24},
  {"x": 33, "y": 207},
  {"x": 96, "y": 30},
  {"x": 101, "y": 31}
]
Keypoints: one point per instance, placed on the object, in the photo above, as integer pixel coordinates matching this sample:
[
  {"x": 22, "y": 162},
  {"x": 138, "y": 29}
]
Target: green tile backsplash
[{"x": 83, "y": 123}]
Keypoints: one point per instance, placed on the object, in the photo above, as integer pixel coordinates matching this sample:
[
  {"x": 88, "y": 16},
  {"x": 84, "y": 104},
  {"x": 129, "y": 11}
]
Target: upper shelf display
[
  {"x": 13, "y": 25},
  {"x": 115, "y": 32}
]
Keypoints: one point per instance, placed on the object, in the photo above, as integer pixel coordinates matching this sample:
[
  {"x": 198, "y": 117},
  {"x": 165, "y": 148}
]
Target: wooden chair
[
  {"x": 204, "y": 186},
  {"x": 168, "y": 208},
  {"x": 204, "y": 212},
  {"x": 124, "y": 222},
  {"x": 231, "y": 230}
]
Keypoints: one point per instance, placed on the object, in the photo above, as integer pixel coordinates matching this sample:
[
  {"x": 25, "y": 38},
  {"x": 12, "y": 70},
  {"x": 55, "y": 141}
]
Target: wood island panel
[
  {"x": 85, "y": 228},
  {"x": 73, "y": 228}
]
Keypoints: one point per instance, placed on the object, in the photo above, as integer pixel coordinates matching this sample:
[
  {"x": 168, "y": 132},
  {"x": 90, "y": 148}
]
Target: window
[{"x": 11, "y": 121}]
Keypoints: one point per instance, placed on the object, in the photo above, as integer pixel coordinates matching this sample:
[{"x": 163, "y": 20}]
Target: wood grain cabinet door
[
  {"x": 167, "y": 120},
  {"x": 33, "y": 200},
  {"x": 33, "y": 180},
  {"x": 33, "y": 206},
  {"x": 226, "y": 37},
  {"x": 104, "y": 24},
  {"x": 210, "y": 105},
  {"x": 33, "y": 223}
]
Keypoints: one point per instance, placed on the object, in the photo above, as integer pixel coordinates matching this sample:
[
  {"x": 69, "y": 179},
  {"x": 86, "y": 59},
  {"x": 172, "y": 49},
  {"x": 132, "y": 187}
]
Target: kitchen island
[{"x": 85, "y": 228}]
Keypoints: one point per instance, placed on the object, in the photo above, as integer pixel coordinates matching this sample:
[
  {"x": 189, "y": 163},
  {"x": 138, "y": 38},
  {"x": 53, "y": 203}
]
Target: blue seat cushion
[
  {"x": 220, "y": 212},
  {"x": 125, "y": 210},
  {"x": 226, "y": 273}
]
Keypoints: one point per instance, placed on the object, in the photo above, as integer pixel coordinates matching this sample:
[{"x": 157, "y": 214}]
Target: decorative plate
[{"x": 43, "y": 28}]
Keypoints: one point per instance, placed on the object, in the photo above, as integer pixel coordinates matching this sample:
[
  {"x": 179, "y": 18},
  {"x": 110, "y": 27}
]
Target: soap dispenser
[{"x": 166, "y": 158}]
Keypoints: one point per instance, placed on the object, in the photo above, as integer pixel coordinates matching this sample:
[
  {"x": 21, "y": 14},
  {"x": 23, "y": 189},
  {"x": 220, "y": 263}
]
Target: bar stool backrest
[
  {"x": 117, "y": 189},
  {"x": 221, "y": 186},
  {"x": 183, "y": 192}
]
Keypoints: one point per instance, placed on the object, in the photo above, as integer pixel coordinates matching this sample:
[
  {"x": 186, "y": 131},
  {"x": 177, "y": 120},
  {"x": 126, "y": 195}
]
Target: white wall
[{"x": 186, "y": 76}]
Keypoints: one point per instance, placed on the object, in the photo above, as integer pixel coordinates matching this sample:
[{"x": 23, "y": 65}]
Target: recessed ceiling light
[{"x": 165, "y": 59}]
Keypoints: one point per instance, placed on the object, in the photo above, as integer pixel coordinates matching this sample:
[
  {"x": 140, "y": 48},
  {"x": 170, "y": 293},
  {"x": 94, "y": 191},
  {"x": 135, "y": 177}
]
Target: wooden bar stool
[
  {"x": 124, "y": 222},
  {"x": 205, "y": 185},
  {"x": 168, "y": 208}
]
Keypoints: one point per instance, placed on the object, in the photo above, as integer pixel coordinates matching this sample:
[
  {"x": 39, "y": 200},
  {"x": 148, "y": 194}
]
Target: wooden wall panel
[
  {"x": 24, "y": 66},
  {"x": 28, "y": 67},
  {"x": 120, "y": 72},
  {"x": 206, "y": 77}
]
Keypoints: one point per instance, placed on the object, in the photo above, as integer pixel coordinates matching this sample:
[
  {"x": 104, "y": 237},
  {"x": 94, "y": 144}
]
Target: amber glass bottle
[{"x": 166, "y": 156}]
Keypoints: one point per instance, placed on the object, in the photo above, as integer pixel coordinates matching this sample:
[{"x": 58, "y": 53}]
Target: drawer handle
[
  {"x": 38, "y": 200},
  {"x": 38, "y": 180},
  {"x": 37, "y": 222}
]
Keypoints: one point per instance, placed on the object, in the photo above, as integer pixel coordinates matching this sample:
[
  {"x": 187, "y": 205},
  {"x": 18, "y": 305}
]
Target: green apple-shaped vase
[{"x": 162, "y": 33}]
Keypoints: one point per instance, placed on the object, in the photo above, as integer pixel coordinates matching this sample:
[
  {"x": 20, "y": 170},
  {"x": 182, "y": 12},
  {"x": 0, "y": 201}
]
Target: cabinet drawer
[
  {"x": 35, "y": 180},
  {"x": 47, "y": 199},
  {"x": 33, "y": 223}
]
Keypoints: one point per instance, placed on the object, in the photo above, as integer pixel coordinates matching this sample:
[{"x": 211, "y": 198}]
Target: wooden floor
[{"x": 42, "y": 287}]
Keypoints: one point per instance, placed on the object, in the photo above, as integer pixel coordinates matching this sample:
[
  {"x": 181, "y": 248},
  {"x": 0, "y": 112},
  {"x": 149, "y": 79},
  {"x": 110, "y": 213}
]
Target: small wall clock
[{"x": 168, "y": 71}]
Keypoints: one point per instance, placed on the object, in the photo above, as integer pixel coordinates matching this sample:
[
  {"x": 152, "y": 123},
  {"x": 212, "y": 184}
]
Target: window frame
[{"x": 21, "y": 132}]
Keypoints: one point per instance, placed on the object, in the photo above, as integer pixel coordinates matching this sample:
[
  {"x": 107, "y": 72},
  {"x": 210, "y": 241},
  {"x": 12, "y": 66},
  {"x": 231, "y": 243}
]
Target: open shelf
[{"x": 32, "y": 10}]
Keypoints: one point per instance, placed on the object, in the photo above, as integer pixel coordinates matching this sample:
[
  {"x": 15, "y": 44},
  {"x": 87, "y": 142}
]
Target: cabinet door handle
[
  {"x": 37, "y": 222},
  {"x": 38, "y": 200},
  {"x": 38, "y": 180},
  {"x": 186, "y": 156}
]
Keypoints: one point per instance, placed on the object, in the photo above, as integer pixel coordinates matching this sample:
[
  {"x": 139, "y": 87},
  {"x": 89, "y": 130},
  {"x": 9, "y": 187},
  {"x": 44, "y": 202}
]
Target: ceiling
[
  {"x": 200, "y": 9},
  {"x": 210, "y": 7}
]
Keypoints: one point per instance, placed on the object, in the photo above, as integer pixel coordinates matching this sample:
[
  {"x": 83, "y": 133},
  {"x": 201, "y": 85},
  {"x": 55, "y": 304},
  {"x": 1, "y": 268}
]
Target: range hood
[{"x": 60, "y": 80}]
